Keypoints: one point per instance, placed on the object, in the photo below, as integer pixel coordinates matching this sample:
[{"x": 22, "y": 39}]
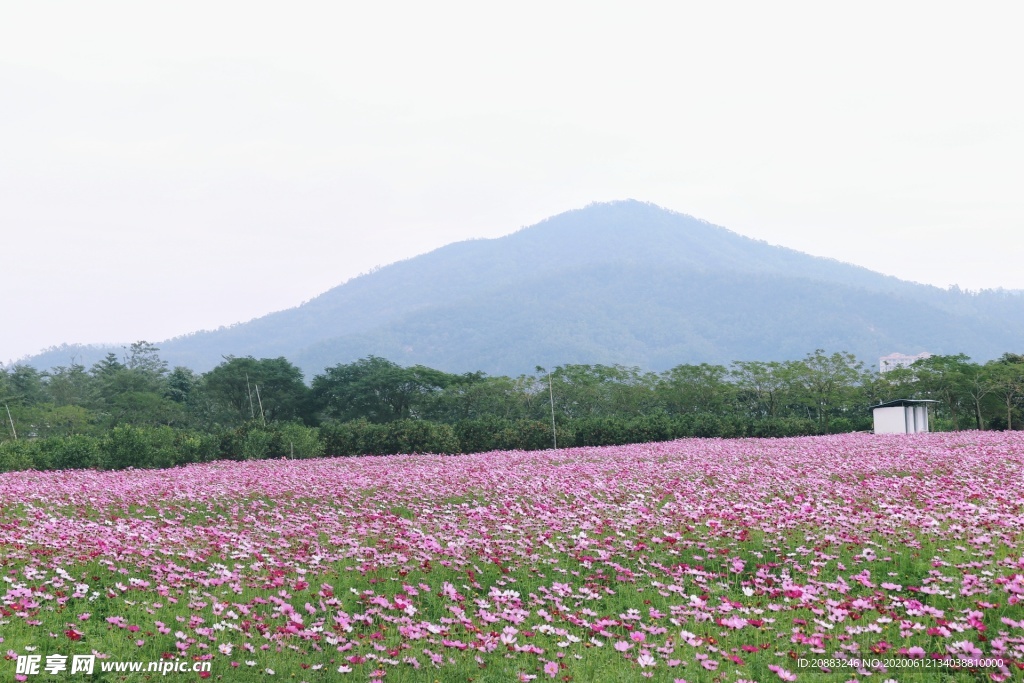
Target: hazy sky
[{"x": 172, "y": 166}]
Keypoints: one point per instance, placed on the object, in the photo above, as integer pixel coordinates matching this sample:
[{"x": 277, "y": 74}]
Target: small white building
[{"x": 903, "y": 416}]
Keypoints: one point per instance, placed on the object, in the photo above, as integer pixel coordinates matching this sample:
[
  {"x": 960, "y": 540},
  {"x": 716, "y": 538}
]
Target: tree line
[{"x": 133, "y": 410}]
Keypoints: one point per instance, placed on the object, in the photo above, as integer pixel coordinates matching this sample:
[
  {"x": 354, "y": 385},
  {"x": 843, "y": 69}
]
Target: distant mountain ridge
[{"x": 622, "y": 282}]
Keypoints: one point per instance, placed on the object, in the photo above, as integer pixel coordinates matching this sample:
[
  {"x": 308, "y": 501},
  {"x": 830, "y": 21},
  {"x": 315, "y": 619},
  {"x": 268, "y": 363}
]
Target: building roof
[{"x": 904, "y": 402}]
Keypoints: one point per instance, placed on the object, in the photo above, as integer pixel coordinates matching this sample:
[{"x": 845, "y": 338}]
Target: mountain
[{"x": 623, "y": 282}]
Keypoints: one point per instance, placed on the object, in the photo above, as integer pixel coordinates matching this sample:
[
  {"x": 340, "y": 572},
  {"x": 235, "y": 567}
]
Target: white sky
[{"x": 172, "y": 166}]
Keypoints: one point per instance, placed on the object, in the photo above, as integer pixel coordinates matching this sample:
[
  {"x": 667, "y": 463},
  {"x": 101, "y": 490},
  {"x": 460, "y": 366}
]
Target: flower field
[{"x": 828, "y": 558}]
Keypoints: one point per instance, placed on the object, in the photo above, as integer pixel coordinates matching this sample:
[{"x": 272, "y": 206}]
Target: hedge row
[
  {"x": 128, "y": 446},
  {"x": 148, "y": 447}
]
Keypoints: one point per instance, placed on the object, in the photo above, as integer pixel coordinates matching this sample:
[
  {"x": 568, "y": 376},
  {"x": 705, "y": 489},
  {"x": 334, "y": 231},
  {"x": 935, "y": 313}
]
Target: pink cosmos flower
[{"x": 782, "y": 673}]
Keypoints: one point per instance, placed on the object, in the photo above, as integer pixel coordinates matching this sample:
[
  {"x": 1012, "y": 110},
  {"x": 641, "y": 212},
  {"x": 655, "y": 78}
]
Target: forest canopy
[{"x": 133, "y": 410}]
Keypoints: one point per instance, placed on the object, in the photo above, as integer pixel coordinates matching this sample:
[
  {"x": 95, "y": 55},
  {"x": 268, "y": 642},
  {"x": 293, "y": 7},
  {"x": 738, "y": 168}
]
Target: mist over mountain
[{"x": 622, "y": 282}]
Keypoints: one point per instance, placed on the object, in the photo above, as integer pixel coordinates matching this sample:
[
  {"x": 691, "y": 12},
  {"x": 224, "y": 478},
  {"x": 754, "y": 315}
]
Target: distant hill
[{"x": 623, "y": 282}]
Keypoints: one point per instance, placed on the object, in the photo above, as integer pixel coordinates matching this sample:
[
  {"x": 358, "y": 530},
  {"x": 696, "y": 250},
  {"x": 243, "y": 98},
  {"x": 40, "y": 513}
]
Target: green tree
[
  {"x": 24, "y": 385},
  {"x": 474, "y": 396},
  {"x": 377, "y": 390},
  {"x": 181, "y": 382},
  {"x": 596, "y": 390},
  {"x": 106, "y": 367},
  {"x": 887, "y": 386},
  {"x": 70, "y": 386},
  {"x": 133, "y": 392},
  {"x": 267, "y": 390},
  {"x": 828, "y": 384},
  {"x": 978, "y": 383},
  {"x": 764, "y": 383},
  {"x": 22, "y": 401},
  {"x": 1007, "y": 377},
  {"x": 692, "y": 389},
  {"x": 46, "y": 420},
  {"x": 144, "y": 357},
  {"x": 945, "y": 379}
]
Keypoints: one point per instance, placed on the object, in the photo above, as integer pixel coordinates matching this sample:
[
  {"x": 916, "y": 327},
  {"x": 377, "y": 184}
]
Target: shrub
[
  {"x": 533, "y": 435},
  {"x": 293, "y": 440},
  {"x": 196, "y": 447},
  {"x": 707, "y": 425},
  {"x": 410, "y": 436},
  {"x": 256, "y": 444},
  {"x": 76, "y": 452},
  {"x": 481, "y": 435},
  {"x": 16, "y": 456},
  {"x": 845, "y": 425},
  {"x": 128, "y": 446},
  {"x": 123, "y": 447},
  {"x": 598, "y": 431},
  {"x": 342, "y": 438}
]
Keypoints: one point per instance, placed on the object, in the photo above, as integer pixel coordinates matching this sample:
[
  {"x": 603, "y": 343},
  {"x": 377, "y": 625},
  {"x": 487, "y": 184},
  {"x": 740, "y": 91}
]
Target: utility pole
[
  {"x": 248, "y": 390},
  {"x": 262, "y": 416},
  {"x": 13, "y": 430},
  {"x": 551, "y": 395}
]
